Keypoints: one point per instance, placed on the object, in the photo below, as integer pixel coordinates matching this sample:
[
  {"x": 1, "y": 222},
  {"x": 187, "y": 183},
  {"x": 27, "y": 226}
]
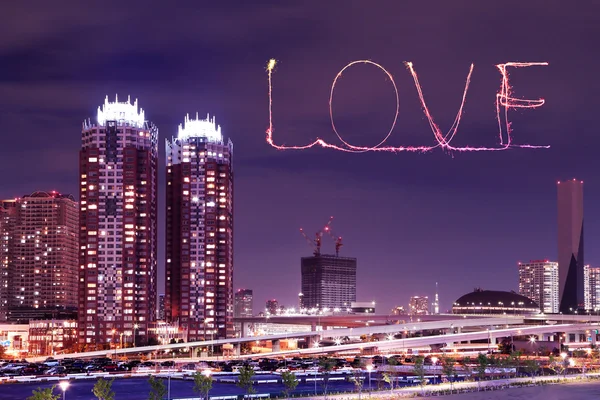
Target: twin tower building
[{"x": 118, "y": 227}]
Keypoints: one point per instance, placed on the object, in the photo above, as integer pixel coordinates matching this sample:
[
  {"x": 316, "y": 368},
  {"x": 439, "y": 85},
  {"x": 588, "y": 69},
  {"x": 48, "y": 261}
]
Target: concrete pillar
[
  {"x": 594, "y": 338},
  {"x": 243, "y": 329},
  {"x": 567, "y": 337},
  {"x": 275, "y": 345},
  {"x": 237, "y": 349},
  {"x": 313, "y": 326}
]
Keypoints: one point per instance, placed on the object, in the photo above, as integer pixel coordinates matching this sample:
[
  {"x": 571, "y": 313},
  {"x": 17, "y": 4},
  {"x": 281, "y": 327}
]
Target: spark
[{"x": 503, "y": 99}]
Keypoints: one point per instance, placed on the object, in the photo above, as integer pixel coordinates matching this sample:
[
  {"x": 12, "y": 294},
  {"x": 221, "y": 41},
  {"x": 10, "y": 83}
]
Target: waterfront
[{"x": 573, "y": 391}]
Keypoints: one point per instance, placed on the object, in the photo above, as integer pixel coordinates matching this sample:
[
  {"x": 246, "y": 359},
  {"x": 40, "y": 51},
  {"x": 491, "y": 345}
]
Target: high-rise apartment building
[
  {"x": 272, "y": 307},
  {"x": 7, "y": 213},
  {"x": 243, "y": 303},
  {"x": 570, "y": 245},
  {"x": 328, "y": 281},
  {"x": 594, "y": 288},
  {"x": 538, "y": 281},
  {"x": 118, "y": 218},
  {"x": 161, "y": 307},
  {"x": 39, "y": 263},
  {"x": 199, "y": 253},
  {"x": 418, "y": 305}
]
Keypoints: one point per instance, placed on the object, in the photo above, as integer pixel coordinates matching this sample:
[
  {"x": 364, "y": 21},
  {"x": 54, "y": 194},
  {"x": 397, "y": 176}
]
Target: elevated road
[
  {"x": 461, "y": 322},
  {"x": 410, "y": 343}
]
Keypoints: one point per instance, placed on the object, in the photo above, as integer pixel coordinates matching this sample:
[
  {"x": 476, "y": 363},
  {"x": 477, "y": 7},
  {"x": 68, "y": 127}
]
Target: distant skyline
[{"x": 463, "y": 220}]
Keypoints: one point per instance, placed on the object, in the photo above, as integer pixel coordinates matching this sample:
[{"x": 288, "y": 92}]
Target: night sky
[{"x": 462, "y": 219}]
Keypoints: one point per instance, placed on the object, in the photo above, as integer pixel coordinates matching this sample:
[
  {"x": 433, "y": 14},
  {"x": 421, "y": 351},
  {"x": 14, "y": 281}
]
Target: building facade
[
  {"x": 570, "y": 245},
  {"x": 40, "y": 234},
  {"x": 538, "y": 281},
  {"x": 418, "y": 305},
  {"x": 594, "y": 289},
  {"x": 199, "y": 237},
  {"x": 482, "y": 302},
  {"x": 243, "y": 303},
  {"x": 118, "y": 221},
  {"x": 272, "y": 307},
  {"x": 7, "y": 218},
  {"x": 328, "y": 281},
  {"x": 49, "y": 337},
  {"x": 161, "y": 307}
]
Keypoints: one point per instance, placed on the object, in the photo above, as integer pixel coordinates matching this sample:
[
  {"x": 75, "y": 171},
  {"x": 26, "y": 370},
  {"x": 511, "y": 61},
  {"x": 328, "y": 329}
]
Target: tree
[
  {"x": 43, "y": 394},
  {"x": 103, "y": 390},
  {"x": 482, "y": 363},
  {"x": 553, "y": 365},
  {"x": 157, "y": 388},
  {"x": 203, "y": 383},
  {"x": 245, "y": 379},
  {"x": 448, "y": 370},
  {"x": 419, "y": 371},
  {"x": 391, "y": 373},
  {"x": 531, "y": 367},
  {"x": 465, "y": 363},
  {"x": 289, "y": 381},
  {"x": 357, "y": 379},
  {"x": 326, "y": 365}
]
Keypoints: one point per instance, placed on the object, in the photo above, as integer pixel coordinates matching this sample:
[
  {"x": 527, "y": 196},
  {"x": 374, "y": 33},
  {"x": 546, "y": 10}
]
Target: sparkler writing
[{"x": 504, "y": 102}]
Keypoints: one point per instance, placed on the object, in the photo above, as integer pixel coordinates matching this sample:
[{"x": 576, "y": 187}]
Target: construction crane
[
  {"x": 338, "y": 242},
  {"x": 318, "y": 240}
]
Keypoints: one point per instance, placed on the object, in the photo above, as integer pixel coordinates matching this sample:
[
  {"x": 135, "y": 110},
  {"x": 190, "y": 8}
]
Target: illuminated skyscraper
[
  {"x": 243, "y": 303},
  {"x": 118, "y": 218},
  {"x": 199, "y": 253},
  {"x": 418, "y": 305},
  {"x": 40, "y": 245},
  {"x": 594, "y": 289},
  {"x": 7, "y": 214},
  {"x": 328, "y": 281},
  {"x": 570, "y": 245},
  {"x": 538, "y": 280}
]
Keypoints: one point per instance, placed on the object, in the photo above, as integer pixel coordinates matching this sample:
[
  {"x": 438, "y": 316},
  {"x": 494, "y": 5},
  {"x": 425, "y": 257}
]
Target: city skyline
[{"x": 409, "y": 219}]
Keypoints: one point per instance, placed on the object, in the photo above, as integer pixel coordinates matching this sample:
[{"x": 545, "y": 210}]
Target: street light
[
  {"x": 64, "y": 385},
  {"x": 369, "y": 368},
  {"x": 135, "y": 327}
]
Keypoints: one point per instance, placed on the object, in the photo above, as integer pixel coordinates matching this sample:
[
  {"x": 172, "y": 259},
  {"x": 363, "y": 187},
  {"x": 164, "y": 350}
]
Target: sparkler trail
[{"x": 503, "y": 99}]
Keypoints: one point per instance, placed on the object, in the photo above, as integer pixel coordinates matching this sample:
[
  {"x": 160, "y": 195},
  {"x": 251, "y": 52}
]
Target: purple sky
[{"x": 411, "y": 219}]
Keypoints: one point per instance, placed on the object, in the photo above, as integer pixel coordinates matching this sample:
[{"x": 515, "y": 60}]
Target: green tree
[
  {"x": 465, "y": 364},
  {"x": 553, "y": 365},
  {"x": 326, "y": 364},
  {"x": 531, "y": 367},
  {"x": 482, "y": 363},
  {"x": 419, "y": 371},
  {"x": 103, "y": 390},
  {"x": 358, "y": 380},
  {"x": 448, "y": 370},
  {"x": 203, "y": 383},
  {"x": 289, "y": 381},
  {"x": 157, "y": 388},
  {"x": 245, "y": 380},
  {"x": 43, "y": 394},
  {"x": 391, "y": 372}
]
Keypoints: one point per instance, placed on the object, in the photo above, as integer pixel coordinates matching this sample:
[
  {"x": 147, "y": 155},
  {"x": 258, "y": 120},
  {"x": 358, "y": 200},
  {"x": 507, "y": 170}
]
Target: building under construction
[{"x": 328, "y": 281}]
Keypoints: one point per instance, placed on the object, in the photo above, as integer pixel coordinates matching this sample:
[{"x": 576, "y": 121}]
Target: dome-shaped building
[{"x": 494, "y": 302}]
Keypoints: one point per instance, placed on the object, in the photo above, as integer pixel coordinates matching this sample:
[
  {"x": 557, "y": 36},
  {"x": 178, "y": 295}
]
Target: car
[
  {"x": 110, "y": 367},
  {"x": 58, "y": 370}
]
